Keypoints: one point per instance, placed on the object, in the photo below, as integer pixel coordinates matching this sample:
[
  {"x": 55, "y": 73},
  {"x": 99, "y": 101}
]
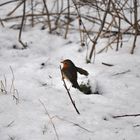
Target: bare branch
[{"x": 48, "y": 16}]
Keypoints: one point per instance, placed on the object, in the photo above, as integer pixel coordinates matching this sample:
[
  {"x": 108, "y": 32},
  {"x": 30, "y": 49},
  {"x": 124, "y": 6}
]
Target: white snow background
[{"x": 44, "y": 102}]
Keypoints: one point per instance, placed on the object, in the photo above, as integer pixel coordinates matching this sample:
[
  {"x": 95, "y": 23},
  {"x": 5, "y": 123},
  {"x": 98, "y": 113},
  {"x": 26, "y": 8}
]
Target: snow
[{"x": 37, "y": 78}]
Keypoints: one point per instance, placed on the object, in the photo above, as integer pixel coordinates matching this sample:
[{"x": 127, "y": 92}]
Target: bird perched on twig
[{"x": 69, "y": 72}]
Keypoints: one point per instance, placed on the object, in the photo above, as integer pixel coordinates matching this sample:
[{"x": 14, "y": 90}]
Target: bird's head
[{"x": 67, "y": 63}]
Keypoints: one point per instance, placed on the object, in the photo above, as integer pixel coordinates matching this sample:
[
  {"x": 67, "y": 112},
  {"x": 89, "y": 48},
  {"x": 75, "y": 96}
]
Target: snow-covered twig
[{"x": 73, "y": 103}]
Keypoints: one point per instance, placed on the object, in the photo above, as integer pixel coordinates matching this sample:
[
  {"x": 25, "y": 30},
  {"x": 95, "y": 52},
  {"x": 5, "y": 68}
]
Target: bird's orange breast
[{"x": 65, "y": 66}]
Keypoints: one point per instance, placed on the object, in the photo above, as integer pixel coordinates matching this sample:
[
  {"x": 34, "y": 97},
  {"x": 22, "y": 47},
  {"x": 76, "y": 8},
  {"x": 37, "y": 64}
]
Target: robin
[{"x": 69, "y": 72}]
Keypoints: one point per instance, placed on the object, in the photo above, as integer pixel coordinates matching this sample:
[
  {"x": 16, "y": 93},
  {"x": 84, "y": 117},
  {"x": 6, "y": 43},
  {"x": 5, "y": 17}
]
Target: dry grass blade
[
  {"x": 73, "y": 123},
  {"x": 120, "y": 73},
  {"x": 50, "y": 118},
  {"x": 13, "y": 90},
  {"x": 3, "y": 87}
]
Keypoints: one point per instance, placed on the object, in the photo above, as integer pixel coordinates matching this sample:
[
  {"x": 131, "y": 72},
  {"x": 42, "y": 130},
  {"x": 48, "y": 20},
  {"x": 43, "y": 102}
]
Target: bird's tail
[{"x": 82, "y": 71}]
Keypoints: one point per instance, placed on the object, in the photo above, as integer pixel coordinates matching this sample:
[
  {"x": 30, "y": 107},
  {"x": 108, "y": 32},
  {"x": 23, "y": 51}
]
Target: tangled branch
[{"x": 62, "y": 16}]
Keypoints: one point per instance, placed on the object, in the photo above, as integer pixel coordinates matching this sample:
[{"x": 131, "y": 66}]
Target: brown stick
[
  {"x": 73, "y": 103},
  {"x": 126, "y": 115},
  {"x": 1, "y": 22},
  {"x": 106, "y": 64},
  {"x": 68, "y": 20},
  {"x": 135, "y": 25},
  {"x": 22, "y": 24},
  {"x": 80, "y": 21},
  {"x": 48, "y": 16},
  {"x": 9, "y": 14},
  {"x": 32, "y": 10},
  {"x": 8, "y": 2}
]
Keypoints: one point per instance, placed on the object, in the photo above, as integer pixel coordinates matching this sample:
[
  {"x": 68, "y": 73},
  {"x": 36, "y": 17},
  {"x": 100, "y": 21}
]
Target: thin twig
[
  {"x": 119, "y": 73},
  {"x": 22, "y": 24},
  {"x": 16, "y": 96},
  {"x": 73, "y": 103},
  {"x": 8, "y": 125},
  {"x": 1, "y": 22},
  {"x": 32, "y": 10},
  {"x": 13, "y": 79},
  {"x": 75, "y": 124},
  {"x": 100, "y": 30},
  {"x": 106, "y": 64},
  {"x": 8, "y": 2},
  {"x": 9, "y": 14},
  {"x": 48, "y": 16},
  {"x": 13, "y": 90},
  {"x": 137, "y": 125},
  {"x": 3, "y": 87},
  {"x": 68, "y": 19},
  {"x": 136, "y": 28},
  {"x": 50, "y": 118},
  {"x": 126, "y": 115}
]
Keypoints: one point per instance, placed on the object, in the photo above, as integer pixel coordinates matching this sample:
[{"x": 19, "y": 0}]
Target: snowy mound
[{"x": 89, "y": 85}]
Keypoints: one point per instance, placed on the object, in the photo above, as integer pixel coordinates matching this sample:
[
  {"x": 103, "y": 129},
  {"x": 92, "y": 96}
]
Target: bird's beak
[{"x": 62, "y": 62}]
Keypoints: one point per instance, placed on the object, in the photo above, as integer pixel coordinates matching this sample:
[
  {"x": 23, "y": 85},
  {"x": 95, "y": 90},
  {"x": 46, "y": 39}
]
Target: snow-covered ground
[
  {"x": 38, "y": 80},
  {"x": 44, "y": 111}
]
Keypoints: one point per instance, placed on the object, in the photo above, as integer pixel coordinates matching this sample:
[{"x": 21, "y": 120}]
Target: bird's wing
[{"x": 82, "y": 71}]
